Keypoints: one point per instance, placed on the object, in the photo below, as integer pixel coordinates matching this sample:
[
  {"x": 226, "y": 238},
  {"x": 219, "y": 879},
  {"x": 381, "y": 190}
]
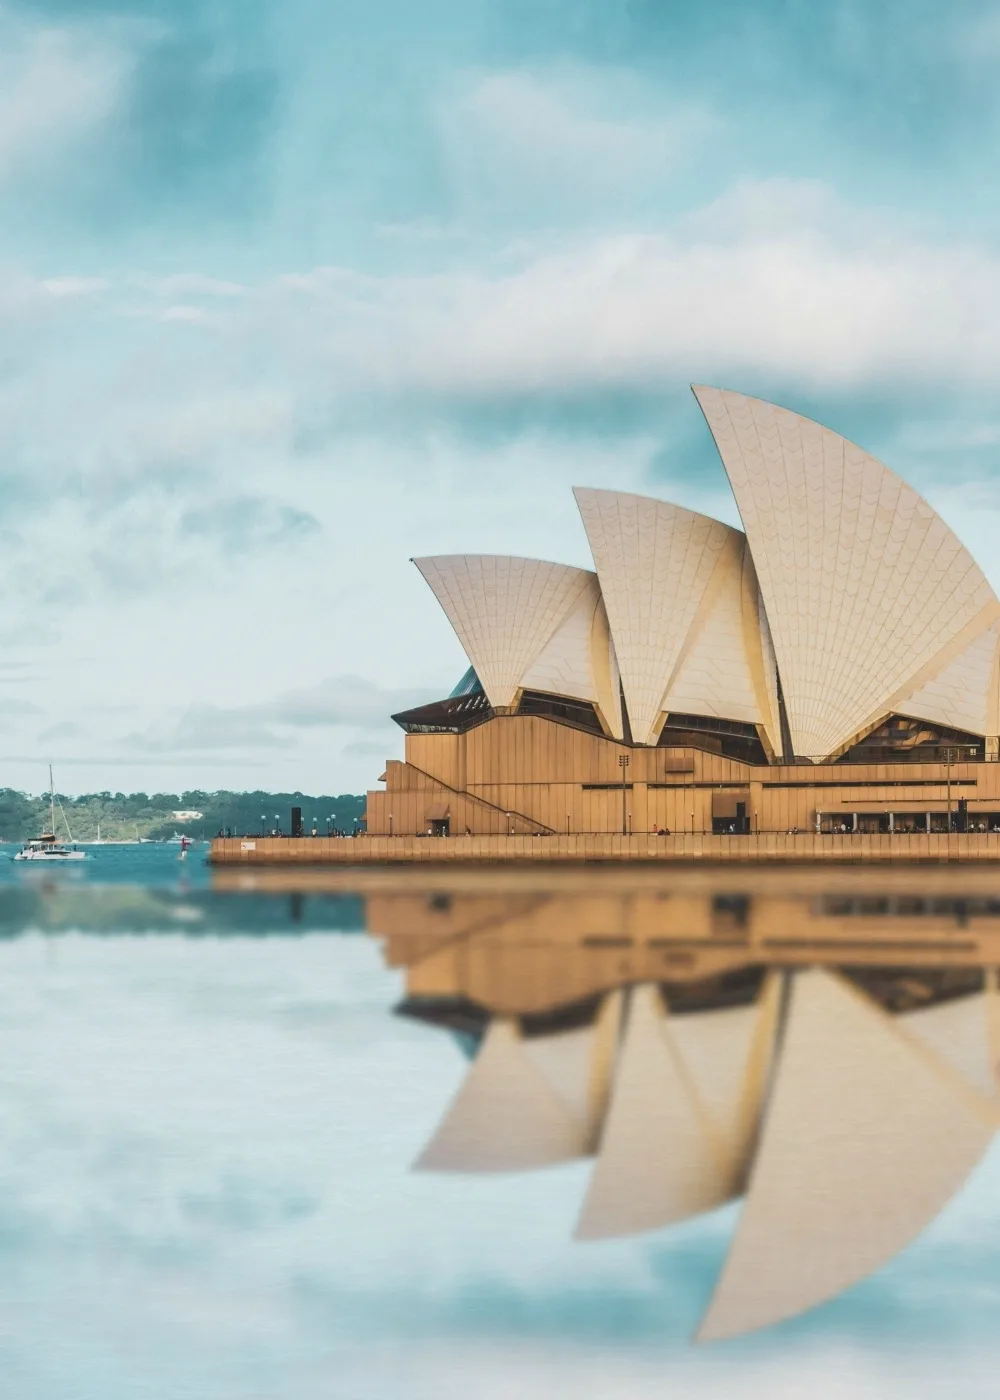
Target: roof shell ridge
[
  {"x": 646, "y": 499},
  {"x": 858, "y": 552}
]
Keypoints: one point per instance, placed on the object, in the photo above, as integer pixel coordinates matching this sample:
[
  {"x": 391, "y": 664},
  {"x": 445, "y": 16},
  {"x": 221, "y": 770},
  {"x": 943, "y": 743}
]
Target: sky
[{"x": 291, "y": 294}]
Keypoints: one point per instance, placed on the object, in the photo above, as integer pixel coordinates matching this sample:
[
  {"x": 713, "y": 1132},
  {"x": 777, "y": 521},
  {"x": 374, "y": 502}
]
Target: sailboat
[{"x": 47, "y": 847}]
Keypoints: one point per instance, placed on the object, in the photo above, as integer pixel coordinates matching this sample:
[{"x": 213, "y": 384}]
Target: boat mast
[{"x": 52, "y": 808}]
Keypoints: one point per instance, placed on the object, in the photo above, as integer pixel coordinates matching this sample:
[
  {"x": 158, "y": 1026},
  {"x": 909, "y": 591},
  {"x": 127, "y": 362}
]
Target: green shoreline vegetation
[{"x": 123, "y": 816}]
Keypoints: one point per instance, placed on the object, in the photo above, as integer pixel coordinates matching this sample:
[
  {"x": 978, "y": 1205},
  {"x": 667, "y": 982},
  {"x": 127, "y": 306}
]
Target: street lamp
[
  {"x": 623, "y": 763},
  {"x": 390, "y": 823},
  {"x": 948, "y": 756}
]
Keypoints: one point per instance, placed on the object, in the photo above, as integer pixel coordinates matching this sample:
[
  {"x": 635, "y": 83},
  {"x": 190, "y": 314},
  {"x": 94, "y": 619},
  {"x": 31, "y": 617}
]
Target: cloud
[
  {"x": 420, "y": 231},
  {"x": 194, "y": 314},
  {"x": 885, "y": 84},
  {"x": 207, "y": 727},
  {"x": 746, "y": 289},
  {"x": 63, "y": 730},
  {"x": 348, "y": 701},
  {"x": 74, "y": 286},
  {"x": 58, "y": 86},
  {"x": 12, "y": 707},
  {"x": 194, "y": 423},
  {"x": 572, "y": 133},
  {"x": 242, "y": 524},
  {"x": 190, "y": 284}
]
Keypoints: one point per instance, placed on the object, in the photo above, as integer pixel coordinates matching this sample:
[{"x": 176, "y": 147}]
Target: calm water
[{"x": 208, "y": 1116}]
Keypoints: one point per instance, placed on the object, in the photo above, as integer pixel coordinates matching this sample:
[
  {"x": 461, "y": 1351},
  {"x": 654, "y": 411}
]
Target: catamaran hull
[{"x": 50, "y": 857}]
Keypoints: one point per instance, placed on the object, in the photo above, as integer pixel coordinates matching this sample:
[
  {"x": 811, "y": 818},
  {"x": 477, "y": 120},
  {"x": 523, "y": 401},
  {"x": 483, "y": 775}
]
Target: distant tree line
[{"x": 128, "y": 815}]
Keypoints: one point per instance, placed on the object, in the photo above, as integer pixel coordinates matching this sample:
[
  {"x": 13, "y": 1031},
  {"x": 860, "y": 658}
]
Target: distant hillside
[{"x": 151, "y": 814}]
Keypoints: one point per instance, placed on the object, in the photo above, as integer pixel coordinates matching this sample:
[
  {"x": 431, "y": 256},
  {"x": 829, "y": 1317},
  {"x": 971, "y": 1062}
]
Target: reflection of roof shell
[
  {"x": 802, "y": 1101},
  {"x": 847, "y": 588}
]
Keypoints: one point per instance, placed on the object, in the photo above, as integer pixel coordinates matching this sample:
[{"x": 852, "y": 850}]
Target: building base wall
[
  {"x": 763, "y": 848},
  {"x": 523, "y": 775}
]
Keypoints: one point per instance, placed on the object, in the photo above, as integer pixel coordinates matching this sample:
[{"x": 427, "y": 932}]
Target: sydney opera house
[{"x": 832, "y": 668}]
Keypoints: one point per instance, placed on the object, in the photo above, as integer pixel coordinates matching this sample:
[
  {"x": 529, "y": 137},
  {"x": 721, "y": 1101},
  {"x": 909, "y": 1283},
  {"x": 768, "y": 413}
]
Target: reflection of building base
[
  {"x": 802, "y": 848},
  {"x": 908, "y": 936}
]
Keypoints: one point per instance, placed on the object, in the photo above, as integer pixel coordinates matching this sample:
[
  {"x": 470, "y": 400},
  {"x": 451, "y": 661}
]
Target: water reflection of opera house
[
  {"x": 835, "y": 669},
  {"x": 826, "y": 1052}
]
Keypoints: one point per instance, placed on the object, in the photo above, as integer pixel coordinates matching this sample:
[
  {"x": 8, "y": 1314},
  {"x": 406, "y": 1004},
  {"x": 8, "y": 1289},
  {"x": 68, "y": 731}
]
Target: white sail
[
  {"x": 866, "y": 1137},
  {"x": 506, "y": 1116}
]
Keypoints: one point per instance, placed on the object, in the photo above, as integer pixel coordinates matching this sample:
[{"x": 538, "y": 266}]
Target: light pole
[
  {"x": 390, "y": 823},
  {"x": 623, "y": 763},
  {"x": 947, "y": 768},
  {"x": 277, "y": 823}
]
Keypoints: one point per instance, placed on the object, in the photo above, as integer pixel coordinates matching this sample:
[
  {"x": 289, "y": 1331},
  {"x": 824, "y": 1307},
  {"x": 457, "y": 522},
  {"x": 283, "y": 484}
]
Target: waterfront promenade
[{"x": 700, "y": 847}]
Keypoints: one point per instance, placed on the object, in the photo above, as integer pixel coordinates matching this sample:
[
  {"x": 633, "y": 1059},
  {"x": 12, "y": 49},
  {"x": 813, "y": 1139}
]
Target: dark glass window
[
  {"x": 729, "y": 737},
  {"x": 578, "y": 713},
  {"x": 900, "y": 739}
]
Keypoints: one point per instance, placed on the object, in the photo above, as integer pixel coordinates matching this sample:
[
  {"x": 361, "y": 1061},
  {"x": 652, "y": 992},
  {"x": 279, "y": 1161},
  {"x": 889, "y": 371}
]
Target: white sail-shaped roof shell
[
  {"x": 726, "y": 669},
  {"x": 866, "y": 1137},
  {"x": 579, "y": 661},
  {"x": 865, "y": 587},
  {"x": 682, "y": 610},
  {"x": 963, "y": 694},
  {"x": 506, "y": 610}
]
